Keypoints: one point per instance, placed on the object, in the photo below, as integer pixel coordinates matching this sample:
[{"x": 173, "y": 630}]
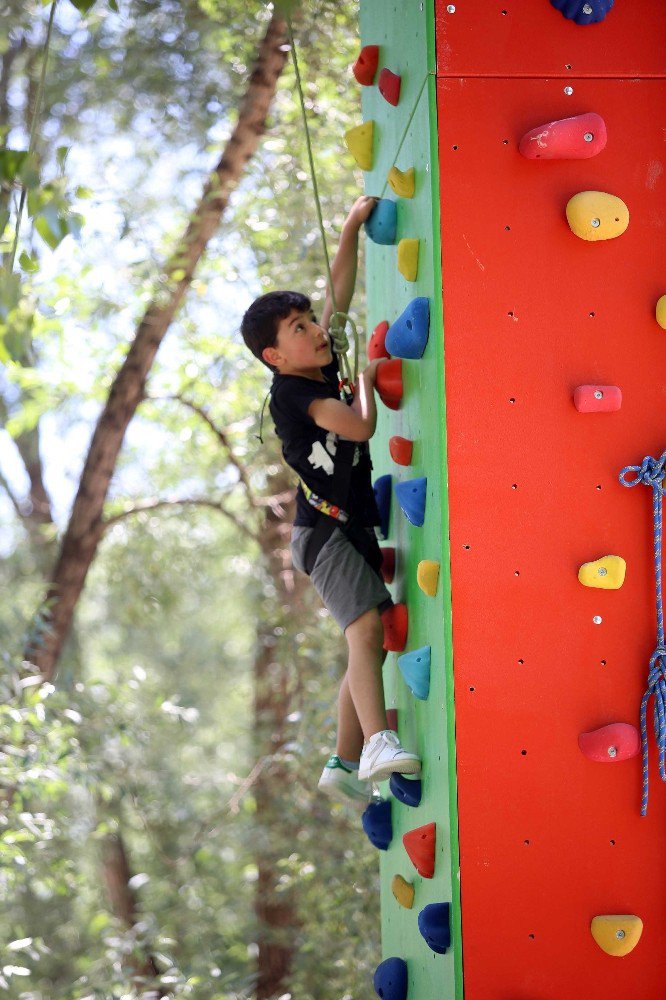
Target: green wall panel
[{"x": 405, "y": 33}]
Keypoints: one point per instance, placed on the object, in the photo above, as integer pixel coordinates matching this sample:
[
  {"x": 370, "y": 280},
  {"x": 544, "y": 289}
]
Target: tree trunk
[
  {"x": 276, "y": 821},
  {"x": 85, "y": 527}
]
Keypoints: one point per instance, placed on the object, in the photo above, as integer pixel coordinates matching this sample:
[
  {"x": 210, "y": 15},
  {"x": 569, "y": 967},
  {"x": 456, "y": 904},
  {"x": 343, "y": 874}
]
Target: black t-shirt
[{"x": 310, "y": 450}]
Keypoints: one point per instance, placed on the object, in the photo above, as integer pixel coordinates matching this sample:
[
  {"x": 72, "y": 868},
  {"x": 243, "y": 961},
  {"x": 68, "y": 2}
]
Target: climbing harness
[{"x": 651, "y": 473}]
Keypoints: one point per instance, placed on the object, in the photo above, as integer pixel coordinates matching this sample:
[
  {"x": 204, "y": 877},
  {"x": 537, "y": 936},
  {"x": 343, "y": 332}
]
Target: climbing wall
[
  {"x": 549, "y": 838},
  {"x": 404, "y": 32},
  {"x": 542, "y": 377}
]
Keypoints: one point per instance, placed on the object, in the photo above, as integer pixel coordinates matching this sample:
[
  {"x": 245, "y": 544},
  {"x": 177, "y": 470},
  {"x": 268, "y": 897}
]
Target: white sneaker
[
  {"x": 340, "y": 782},
  {"x": 383, "y": 754}
]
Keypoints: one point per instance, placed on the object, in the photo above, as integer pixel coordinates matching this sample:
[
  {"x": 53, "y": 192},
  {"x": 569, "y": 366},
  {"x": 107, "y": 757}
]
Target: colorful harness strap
[
  {"x": 324, "y": 505},
  {"x": 651, "y": 473}
]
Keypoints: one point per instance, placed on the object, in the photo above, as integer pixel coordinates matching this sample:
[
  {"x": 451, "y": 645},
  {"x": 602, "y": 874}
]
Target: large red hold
[
  {"x": 377, "y": 342},
  {"x": 389, "y": 383},
  {"x": 389, "y": 86},
  {"x": 365, "y": 67},
  {"x": 576, "y": 138},
  {"x": 420, "y": 846}
]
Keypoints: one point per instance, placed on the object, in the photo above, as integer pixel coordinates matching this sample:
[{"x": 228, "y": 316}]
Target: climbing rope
[
  {"x": 339, "y": 320},
  {"x": 651, "y": 473}
]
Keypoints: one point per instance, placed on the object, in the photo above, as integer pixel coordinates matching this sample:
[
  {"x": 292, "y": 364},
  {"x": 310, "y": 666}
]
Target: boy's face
[{"x": 302, "y": 346}]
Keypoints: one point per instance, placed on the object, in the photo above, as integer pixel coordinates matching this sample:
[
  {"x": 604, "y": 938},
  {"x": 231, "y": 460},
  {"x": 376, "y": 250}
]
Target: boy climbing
[{"x": 324, "y": 440}]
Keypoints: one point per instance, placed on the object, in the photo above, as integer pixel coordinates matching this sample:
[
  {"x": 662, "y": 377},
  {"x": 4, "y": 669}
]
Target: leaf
[
  {"x": 10, "y": 292},
  {"x": 83, "y": 6},
  {"x": 29, "y": 263},
  {"x": 62, "y": 153},
  {"x": 11, "y": 161}
]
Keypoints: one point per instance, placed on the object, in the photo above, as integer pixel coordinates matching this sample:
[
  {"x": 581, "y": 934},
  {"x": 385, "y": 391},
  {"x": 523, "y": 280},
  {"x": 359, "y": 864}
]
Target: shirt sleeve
[{"x": 293, "y": 398}]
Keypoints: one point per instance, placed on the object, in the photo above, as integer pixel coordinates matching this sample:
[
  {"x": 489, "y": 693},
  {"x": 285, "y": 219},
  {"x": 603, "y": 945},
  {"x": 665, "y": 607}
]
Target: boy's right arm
[{"x": 356, "y": 422}]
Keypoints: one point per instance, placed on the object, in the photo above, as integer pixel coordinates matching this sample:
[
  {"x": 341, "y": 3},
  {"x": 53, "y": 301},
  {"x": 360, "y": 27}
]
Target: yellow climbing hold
[
  {"x": 617, "y": 933},
  {"x": 595, "y": 215},
  {"x": 359, "y": 144},
  {"x": 607, "y": 573},
  {"x": 661, "y": 312},
  {"x": 408, "y": 259},
  {"x": 402, "y": 182},
  {"x": 403, "y": 891},
  {"x": 427, "y": 576}
]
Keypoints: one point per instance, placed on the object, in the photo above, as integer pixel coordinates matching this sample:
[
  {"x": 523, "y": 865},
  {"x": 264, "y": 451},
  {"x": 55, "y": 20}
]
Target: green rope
[{"x": 405, "y": 131}]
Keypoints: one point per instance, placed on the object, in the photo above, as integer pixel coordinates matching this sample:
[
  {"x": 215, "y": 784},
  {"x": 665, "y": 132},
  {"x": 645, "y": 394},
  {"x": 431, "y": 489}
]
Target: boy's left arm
[{"x": 343, "y": 268}]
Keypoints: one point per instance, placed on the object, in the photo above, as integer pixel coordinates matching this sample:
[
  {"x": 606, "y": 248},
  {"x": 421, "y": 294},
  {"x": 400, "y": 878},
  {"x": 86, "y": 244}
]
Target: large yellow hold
[
  {"x": 607, "y": 573},
  {"x": 359, "y": 143},
  {"x": 427, "y": 576},
  {"x": 595, "y": 215},
  {"x": 617, "y": 933},
  {"x": 402, "y": 182},
  {"x": 408, "y": 259}
]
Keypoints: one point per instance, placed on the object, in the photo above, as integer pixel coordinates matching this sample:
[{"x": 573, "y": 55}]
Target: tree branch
[{"x": 188, "y": 501}]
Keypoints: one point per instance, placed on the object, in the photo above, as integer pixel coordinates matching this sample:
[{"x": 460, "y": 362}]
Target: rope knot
[{"x": 651, "y": 472}]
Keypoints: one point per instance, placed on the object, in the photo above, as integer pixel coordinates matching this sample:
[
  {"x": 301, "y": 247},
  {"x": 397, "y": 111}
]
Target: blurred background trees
[{"x": 161, "y": 834}]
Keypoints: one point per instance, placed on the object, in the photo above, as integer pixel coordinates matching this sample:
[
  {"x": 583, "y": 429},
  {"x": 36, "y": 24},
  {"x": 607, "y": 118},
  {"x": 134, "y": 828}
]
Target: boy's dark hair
[{"x": 259, "y": 325}]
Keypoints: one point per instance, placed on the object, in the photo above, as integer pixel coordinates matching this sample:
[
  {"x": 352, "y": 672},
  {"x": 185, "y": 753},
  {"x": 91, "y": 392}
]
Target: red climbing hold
[
  {"x": 597, "y": 398},
  {"x": 576, "y": 138},
  {"x": 389, "y": 383},
  {"x": 619, "y": 741},
  {"x": 389, "y": 86},
  {"x": 388, "y": 564},
  {"x": 400, "y": 450},
  {"x": 365, "y": 67},
  {"x": 377, "y": 342},
  {"x": 420, "y": 846},
  {"x": 392, "y": 719},
  {"x": 394, "y": 620}
]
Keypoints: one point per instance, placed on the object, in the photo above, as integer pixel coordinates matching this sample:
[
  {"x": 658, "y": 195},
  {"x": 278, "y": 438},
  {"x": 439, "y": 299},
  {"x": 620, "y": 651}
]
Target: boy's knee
[{"x": 367, "y": 627}]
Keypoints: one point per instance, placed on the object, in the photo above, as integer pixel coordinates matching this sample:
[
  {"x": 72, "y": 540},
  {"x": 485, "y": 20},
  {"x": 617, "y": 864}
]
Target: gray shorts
[{"x": 346, "y": 584}]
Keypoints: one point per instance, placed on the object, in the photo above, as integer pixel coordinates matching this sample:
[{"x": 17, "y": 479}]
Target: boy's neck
[{"x": 312, "y": 373}]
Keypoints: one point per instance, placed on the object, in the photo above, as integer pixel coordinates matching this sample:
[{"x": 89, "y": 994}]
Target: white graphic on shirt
[{"x": 321, "y": 456}]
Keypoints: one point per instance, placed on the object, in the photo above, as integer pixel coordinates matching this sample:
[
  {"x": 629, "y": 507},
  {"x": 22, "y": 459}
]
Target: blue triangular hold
[
  {"x": 390, "y": 979},
  {"x": 382, "y": 488},
  {"x": 435, "y": 926},
  {"x": 412, "y": 498},
  {"x": 382, "y": 223},
  {"x": 415, "y": 668},
  {"x": 408, "y": 336},
  {"x": 406, "y": 790},
  {"x": 376, "y": 821}
]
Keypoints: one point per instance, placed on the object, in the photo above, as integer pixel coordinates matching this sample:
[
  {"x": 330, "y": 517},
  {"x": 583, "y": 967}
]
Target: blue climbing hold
[
  {"x": 583, "y": 11},
  {"x": 434, "y": 925},
  {"x": 406, "y": 790},
  {"x": 390, "y": 979},
  {"x": 376, "y": 821},
  {"x": 382, "y": 223},
  {"x": 408, "y": 336},
  {"x": 415, "y": 668},
  {"x": 382, "y": 488},
  {"x": 412, "y": 499}
]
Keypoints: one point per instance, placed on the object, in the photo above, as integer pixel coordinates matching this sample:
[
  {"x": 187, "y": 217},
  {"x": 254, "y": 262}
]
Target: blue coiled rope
[{"x": 651, "y": 473}]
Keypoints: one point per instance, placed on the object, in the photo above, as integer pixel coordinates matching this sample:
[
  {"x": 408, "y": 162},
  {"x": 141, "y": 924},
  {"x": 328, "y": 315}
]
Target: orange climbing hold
[
  {"x": 365, "y": 67},
  {"x": 395, "y": 621},
  {"x": 403, "y": 891},
  {"x": 389, "y": 383},
  {"x": 377, "y": 342},
  {"x": 420, "y": 846},
  {"x": 400, "y": 450},
  {"x": 617, "y": 933}
]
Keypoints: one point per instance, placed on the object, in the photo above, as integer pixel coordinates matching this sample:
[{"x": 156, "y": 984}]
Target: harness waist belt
[{"x": 324, "y": 506}]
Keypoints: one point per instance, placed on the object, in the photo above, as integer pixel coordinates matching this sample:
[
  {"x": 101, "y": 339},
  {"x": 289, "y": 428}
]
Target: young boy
[{"x": 325, "y": 441}]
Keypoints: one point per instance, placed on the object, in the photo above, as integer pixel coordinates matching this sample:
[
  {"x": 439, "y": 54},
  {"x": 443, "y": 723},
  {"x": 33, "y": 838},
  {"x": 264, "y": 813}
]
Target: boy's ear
[{"x": 271, "y": 356}]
